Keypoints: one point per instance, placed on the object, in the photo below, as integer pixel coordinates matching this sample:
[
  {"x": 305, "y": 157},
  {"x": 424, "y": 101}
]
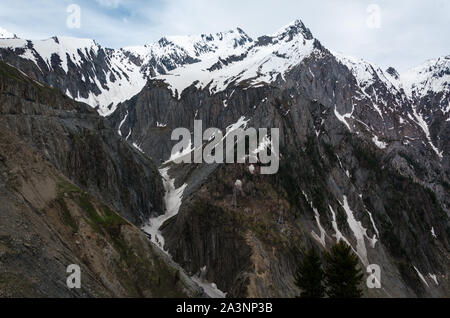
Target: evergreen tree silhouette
[
  {"x": 343, "y": 276},
  {"x": 309, "y": 276}
]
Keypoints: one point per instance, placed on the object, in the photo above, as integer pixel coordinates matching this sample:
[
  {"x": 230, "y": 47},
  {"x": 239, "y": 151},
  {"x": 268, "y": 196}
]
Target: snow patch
[
  {"x": 343, "y": 118},
  {"x": 378, "y": 143},
  {"x": 210, "y": 288},
  {"x": 121, "y": 124},
  {"x": 172, "y": 199},
  {"x": 433, "y": 233},
  {"x": 359, "y": 232},
  {"x": 339, "y": 236},
  {"x": 434, "y": 278},
  {"x": 135, "y": 145}
]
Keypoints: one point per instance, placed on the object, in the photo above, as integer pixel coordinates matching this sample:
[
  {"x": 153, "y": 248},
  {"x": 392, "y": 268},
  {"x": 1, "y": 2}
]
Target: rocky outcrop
[{"x": 47, "y": 223}]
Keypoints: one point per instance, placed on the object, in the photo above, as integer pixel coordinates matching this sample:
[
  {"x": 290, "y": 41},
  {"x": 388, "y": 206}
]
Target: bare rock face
[
  {"x": 47, "y": 223},
  {"x": 429, "y": 87},
  {"x": 81, "y": 145}
]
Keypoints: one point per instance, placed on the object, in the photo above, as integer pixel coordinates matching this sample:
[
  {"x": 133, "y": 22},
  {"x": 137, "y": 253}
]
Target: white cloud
[{"x": 109, "y": 3}]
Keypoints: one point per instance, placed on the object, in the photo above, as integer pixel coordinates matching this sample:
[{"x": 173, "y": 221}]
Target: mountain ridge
[{"x": 127, "y": 69}]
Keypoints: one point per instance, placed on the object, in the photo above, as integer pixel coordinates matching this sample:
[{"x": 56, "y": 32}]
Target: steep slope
[
  {"x": 48, "y": 223},
  {"x": 81, "y": 145},
  {"x": 428, "y": 85},
  {"x": 78, "y": 67}
]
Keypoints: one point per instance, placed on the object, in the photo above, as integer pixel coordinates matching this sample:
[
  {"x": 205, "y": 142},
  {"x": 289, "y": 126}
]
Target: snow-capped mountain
[
  {"x": 432, "y": 77},
  {"x": 79, "y": 67},
  {"x": 360, "y": 158},
  {"x": 105, "y": 77},
  {"x": 5, "y": 34},
  {"x": 217, "y": 60},
  {"x": 172, "y": 52},
  {"x": 428, "y": 86},
  {"x": 354, "y": 150},
  {"x": 255, "y": 62}
]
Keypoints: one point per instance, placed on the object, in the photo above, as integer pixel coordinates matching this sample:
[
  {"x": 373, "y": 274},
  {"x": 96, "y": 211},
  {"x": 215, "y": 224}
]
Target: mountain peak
[
  {"x": 393, "y": 72},
  {"x": 433, "y": 75},
  {"x": 294, "y": 28},
  {"x": 4, "y": 34}
]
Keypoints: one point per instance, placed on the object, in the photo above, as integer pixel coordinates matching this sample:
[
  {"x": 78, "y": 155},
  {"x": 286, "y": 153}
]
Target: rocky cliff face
[
  {"x": 428, "y": 85},
  {"x": 47, "y": 223},
  {"x": 81, "y": 145},
  {"x": 80, "y": 68},
  {"x": 63, "y": 174}
]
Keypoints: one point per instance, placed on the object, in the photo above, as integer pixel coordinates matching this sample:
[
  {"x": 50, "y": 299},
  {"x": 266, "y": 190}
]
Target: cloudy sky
[{"x": 401, "y": 33}]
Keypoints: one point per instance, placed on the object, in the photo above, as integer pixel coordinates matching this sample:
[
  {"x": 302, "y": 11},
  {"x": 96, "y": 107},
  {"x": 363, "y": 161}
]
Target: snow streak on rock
[
  {"x": 319, "y": 238},
  {"x": 359, "y": 232},
  {"x": 210, "y": 288},
  {"x": 422, "y": 278}
]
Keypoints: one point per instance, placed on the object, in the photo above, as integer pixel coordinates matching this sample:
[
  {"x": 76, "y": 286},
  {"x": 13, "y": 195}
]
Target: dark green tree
[
  {"x": 343, "y": 276},
  {"x": 309, "y": 276}
]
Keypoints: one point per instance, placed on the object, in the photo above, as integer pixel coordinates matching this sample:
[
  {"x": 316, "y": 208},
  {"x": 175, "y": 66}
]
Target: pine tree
[
  {"x": 343, "y": 276},
  {"x": 309, "y": 276}
]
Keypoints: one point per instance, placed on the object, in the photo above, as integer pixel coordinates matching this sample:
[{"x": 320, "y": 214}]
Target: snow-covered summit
[
  {"x": 4, "y": 34},
  {"x": 199, "y": 45},
  {"x": 255, "y": 62},
  {"x": 67, "y": 48},
  {"x": 291, "y": 30},
  {"x": 368, "y": 74},
  {"x": 172, "y": 52},
  {"x": 433, "y": 75},
  {"x": 107, "y": 77}
]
